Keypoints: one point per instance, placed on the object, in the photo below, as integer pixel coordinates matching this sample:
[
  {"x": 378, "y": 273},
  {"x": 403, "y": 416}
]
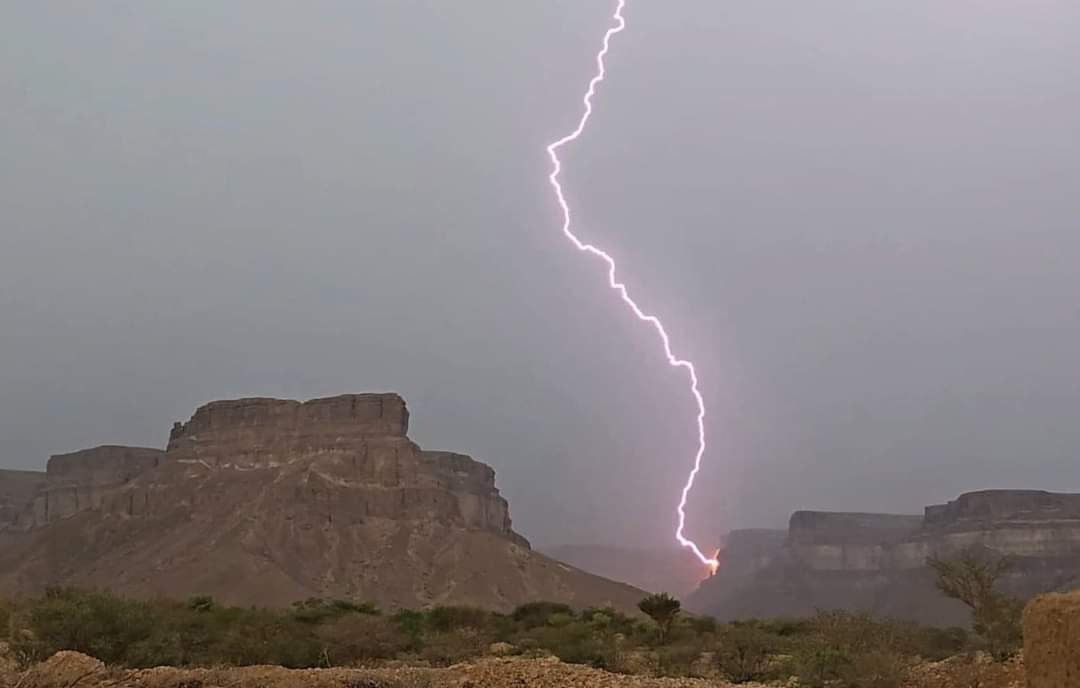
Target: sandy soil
[{"x": 73, "y": 670}]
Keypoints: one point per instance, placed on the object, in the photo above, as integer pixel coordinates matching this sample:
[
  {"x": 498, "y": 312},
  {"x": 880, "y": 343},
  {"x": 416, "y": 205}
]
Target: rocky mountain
[
  {"x": 265, "y": 501},
  {"x": 877, "y": 562},
  {"x": 671, "y": 570}
]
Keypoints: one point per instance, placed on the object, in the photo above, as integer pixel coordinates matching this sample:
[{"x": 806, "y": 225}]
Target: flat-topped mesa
[
  {"x": 825, "y": 527},
  {"x": 100, "y": 466},
  {"x": 998, "y": 508},
  {"x": 879, "y": 561},
  {"x": 266, "y": 431},
  {"x": 265, "y": 501},
  {"x": 82, "y": 480}
]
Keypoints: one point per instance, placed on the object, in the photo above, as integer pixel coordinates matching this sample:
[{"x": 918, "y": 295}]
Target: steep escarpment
[
  {"x": 70, "y": 484},
  {"x": 264, "y": 501},
  {"x": 877, "y": 562},
  {"x": 17, "y": 492}
]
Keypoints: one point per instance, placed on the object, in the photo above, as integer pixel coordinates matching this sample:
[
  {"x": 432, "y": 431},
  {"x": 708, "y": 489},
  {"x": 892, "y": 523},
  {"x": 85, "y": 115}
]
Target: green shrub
[
  {"x": 359, "y": 638},
  {"x": 316, "y": 610},
  {"x": 744, "y": 653},
  {"x": 536, "y": 614},
  {"x": 267, "y": 637},
  {"x": 876, "y": 669},
  {"x": 679, "y": 657},
  {"x": 576, "y": 642},
  {"x": 445, "y": 619},
  {"x": 454, "y": 646},
  {"x": 94, "y": 623},
  {"x": 411, "y": 623},
  {"x": 839, "y": 649},
  {"x": 819, "y": 665}
]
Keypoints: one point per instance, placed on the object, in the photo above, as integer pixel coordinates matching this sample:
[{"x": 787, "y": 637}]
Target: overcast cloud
[{"x": 859, "y": 218}]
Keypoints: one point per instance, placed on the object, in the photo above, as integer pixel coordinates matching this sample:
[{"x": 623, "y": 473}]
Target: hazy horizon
[{"x": 857, "y": 219}]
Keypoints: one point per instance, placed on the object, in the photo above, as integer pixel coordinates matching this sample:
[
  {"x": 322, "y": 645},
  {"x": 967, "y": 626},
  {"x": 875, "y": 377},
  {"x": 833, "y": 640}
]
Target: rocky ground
[{"x": 73, "y": 670}]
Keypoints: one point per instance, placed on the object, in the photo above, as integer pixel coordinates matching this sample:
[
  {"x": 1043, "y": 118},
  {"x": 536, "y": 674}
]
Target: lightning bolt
[{"x": 613, "y": 281}]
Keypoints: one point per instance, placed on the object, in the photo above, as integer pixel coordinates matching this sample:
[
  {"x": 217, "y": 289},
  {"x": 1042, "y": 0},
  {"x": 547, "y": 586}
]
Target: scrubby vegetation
[
  {"x": 834, "y": 649},
  {"x": 972, "y": 578}
]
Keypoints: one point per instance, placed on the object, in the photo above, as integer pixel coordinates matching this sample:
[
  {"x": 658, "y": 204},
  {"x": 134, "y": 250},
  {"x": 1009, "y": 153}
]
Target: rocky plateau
[{"x": 267, "y": 501}]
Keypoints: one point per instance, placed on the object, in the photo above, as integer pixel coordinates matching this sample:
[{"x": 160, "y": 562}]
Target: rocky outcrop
[
  {"x": 877, "y": 562},
  {"x": 17, "y": 492},
  {"x": 72, "y": 483},
  {"x": 264, "y": 501},
  {"x": 83, "y": 480}
]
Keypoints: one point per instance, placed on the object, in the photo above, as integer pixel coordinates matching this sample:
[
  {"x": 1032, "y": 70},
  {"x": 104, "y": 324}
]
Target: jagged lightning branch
[{"x": 674, "y": 361}]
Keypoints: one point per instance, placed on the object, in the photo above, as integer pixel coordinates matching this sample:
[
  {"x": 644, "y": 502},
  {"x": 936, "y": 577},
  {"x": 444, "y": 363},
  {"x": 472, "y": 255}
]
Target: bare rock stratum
[
  {"x": 266, "y": 501},
  {"x": 878, "y": 562}
]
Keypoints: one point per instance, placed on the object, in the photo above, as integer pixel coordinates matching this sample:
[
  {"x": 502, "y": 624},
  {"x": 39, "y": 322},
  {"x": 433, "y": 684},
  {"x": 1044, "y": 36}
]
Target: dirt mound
[
  {"x": 1052, "y": 641},
  {"x": 73, "y": 670},
  {"x": 964, "y": 672},
  {"x": 276, "y": 677},
  {"x": 65, "y": 670},
  {"x": 551, "y": 673}
]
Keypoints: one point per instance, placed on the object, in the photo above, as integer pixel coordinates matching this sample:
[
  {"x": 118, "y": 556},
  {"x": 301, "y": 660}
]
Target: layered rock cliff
[
  {"x": 70, "y": 484},
  {"x": 877, "y": 562},
  {"x": 264, "y": 501}
]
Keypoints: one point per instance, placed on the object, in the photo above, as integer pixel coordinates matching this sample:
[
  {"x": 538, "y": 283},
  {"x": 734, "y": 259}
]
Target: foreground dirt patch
[
  {"x": 72, "y": 670},
  {"x": 969, "y": 672}
]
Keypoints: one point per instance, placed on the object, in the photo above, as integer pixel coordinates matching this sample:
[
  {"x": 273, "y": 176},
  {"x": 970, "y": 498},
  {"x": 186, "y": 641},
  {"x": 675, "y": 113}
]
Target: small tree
[
  {"x": 971, "y": 579},
  {"x": 663, "y": 609}
]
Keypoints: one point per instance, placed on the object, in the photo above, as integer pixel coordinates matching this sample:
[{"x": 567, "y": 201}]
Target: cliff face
[
  {"x": 71, "y": 483},
  {"x": 877, "y": 562},
  {"x": 17, "y": 492},
  {"x": 263, "y": 501}
]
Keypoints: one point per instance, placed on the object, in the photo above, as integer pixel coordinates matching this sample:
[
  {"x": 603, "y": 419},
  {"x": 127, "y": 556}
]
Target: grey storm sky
[{"x": 859, "y": 218}]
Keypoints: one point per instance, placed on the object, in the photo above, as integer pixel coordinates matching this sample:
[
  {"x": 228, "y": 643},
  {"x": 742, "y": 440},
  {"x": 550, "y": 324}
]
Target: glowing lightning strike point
[{"x": 674, "y": 361}]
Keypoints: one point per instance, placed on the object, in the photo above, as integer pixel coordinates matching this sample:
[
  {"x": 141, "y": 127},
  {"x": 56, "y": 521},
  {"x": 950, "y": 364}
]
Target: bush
[
  {"x": 536, "y": 614},
  {"x": 744, "y": 653},
  {"x": 453, "y": 647},
  {"x": 576, "y": 642},
  {"x": 678, "y": 659},
  {"x": 445, "y": 619},
  {"x": 820, "y": 665},
  {"x": 876, "y": 669},
  {"x": 266, "y": 637},
  {"x": 94, "y": 623},
  {"x": 316, "y": 610},
  {"x": 359, "y": 638},
  {"x": 839, "y": 649}
]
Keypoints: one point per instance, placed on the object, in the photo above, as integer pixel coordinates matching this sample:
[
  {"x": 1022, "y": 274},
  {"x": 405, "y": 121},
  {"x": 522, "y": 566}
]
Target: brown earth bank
[
  {"x": 74, "y": 670},
  {"x": 268, "y": 501}
]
